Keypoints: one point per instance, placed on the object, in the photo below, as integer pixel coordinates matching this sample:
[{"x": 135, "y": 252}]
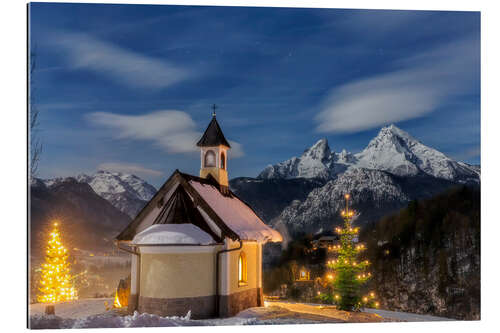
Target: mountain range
[
  {"x": 301, "y": 194},
  {"x": 392, "y": 150},
  {"x": 128, "y": 193},
  {"x": 92, "y": 208},
  {"x": 88, "y": 221},
  {"x": 394, "y": 169}
]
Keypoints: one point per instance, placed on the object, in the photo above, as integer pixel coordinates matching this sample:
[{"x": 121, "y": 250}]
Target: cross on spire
[{"x": 214, "y": 107}]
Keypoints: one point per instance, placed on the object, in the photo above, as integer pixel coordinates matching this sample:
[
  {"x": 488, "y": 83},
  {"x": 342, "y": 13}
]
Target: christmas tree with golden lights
[
  {"x": 56, "y": 281},
  {"x": 349, "y": 274}
]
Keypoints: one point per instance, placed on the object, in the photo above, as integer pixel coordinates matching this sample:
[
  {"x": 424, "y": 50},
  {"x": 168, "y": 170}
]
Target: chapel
[{"x": 196, "y": 246}]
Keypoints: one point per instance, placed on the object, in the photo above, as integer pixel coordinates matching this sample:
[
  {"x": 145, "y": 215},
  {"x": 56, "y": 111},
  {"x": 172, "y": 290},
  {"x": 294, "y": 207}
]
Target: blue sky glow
[{"x": 129, "y": 87}]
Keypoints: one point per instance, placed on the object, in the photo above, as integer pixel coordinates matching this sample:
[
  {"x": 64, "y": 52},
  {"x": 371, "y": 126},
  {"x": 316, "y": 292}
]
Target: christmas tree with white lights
[{"x": 56, "y": 281}]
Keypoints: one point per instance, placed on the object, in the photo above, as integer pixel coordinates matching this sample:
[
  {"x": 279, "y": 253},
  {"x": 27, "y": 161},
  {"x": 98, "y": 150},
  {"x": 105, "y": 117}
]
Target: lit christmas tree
[
  {"x": 56, "y": 279},
  {"x": 349, "y": 274}
]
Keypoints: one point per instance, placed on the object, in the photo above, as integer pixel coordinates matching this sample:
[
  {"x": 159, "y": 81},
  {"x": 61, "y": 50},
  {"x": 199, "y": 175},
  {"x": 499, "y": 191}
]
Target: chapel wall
[
  {"x": 177, "y": 275},
  {"x": 253, "y": 262}
]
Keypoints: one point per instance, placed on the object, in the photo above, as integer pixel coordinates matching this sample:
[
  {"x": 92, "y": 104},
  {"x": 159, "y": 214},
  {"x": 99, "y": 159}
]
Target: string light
[
  {"x": 347, "y": 270},
  {"x": 55, "y": 279}
]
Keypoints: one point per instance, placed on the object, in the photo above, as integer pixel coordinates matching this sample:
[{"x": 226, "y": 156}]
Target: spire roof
[{"x": 213, "y": 136}]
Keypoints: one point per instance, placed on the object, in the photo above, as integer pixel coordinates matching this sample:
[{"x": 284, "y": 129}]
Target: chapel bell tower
[{"x": 214, "y": 147}]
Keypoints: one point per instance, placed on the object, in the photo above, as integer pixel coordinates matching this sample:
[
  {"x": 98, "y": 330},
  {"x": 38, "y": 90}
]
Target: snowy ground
[
  {"x": 344, "y": 316},
  {"x": 77, "y": 309},
  {"x": 405, "y": 316},
  {"x": 92, "y": 313}
]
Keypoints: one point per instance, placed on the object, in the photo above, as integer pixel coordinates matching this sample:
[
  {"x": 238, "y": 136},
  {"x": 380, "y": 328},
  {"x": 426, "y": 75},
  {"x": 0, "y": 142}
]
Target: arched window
[
  {"x": 223, "y": 161},
  {"x": 242, "y": 269},
  {"x": 209, "y": 159}
]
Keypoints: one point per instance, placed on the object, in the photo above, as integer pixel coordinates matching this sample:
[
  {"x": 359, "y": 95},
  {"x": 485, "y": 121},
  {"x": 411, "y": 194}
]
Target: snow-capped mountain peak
[
  {"x": 395, "y": 151},
  {"x": 315, "y": 162},
  {"x": 106, "y": 183},
  {"x": 319, "y": 151},
  {"x": 392, "y": 150},
  {"x": 126, "y": 192}
]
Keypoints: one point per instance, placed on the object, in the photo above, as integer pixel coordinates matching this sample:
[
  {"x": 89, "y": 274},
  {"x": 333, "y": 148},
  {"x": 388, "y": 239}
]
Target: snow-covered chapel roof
[{"x": 199, "y": 201}]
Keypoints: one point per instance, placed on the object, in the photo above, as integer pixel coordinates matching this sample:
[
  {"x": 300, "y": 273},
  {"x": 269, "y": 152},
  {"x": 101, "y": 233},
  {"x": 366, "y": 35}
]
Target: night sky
[{"x": 129, "y": 87}]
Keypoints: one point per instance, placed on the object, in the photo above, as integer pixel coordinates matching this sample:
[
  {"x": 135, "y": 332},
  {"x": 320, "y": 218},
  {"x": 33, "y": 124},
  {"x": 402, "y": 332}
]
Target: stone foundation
[
  {"x": 132, "y": 303},
  {"x": 231, "y": 304},
  {"x": 201, "y": 307}
]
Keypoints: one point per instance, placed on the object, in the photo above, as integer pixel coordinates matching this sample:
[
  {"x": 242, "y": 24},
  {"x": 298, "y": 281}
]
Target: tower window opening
[
  {"x": 209, "y": 159},
  {"x": 223, "y": 161}
]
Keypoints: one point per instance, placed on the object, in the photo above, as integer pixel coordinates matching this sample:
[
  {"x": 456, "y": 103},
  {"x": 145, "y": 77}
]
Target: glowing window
[
  {"x": 242, "y": 269},
  {"x": 209, "y": 159},
  {"x": 223, "y": 160}
]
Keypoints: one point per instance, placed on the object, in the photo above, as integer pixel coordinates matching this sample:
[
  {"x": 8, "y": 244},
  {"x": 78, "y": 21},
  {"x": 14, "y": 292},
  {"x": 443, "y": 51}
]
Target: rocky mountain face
[
  {"x": 426, "y": 258},
  {"x": 392, "y": 170},
  {"x": 373, "y": 192},
  {"x": 88, "y": 220},
  {"x": 268, "y": 197},
  {"x": 126, "y": 192}
]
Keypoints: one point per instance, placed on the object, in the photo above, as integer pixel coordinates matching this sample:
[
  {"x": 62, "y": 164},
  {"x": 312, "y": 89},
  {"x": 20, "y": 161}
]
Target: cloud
[
  {"x": 236, "y": 149},
  {"x": 129, "y": 168},
  {"x": 126, "y": 67},
  {"x": 174, "y": 131},
  {"x": 468, "y": 154},
  {"x": 420, "y": 85}
]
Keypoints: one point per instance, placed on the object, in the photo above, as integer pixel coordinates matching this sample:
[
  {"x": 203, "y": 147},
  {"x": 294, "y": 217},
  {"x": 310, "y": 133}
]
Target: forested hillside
[{"x": 426, "y": 258}]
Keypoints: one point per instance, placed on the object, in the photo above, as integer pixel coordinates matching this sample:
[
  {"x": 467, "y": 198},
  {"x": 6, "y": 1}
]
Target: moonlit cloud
[
  {"x": 82, "y": 51},
  {"x": 468, "y": 154},
  {"x": 422, "y": 84},
  {"x": 236, "y": 149},
  {"x": 129, "y": 168},
  {"x": 174, "y": 131}
]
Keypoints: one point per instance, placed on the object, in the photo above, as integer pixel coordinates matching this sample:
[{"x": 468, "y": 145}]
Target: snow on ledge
[{"x": 173, "y": 234}]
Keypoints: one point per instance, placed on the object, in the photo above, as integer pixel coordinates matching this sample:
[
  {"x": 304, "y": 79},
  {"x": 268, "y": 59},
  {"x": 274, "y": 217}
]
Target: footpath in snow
[{"x": 367, "y": 315}]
